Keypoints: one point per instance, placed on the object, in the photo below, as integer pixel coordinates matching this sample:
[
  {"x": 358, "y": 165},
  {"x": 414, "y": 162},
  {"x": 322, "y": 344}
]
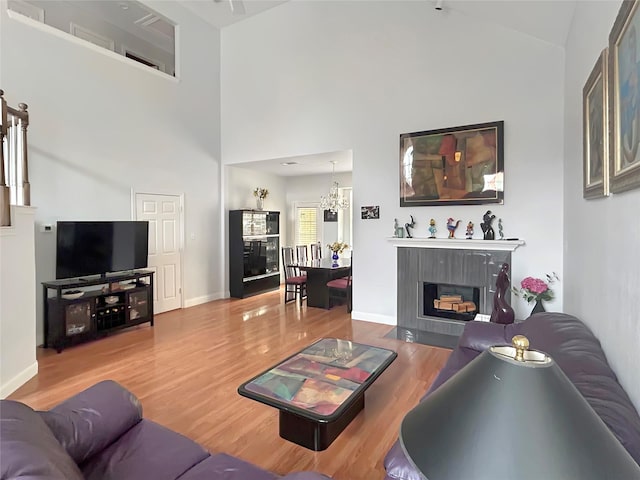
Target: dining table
[{"x": 319, "y": 272}]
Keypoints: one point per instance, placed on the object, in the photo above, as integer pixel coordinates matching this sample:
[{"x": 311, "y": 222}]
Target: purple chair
[
  {"x": 340, "y": 289},
  {"x": 295, "y": 282}
]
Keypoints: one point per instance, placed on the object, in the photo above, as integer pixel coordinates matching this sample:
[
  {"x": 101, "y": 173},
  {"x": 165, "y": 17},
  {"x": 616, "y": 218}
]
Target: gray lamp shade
[{"x": 503, "y": 419}]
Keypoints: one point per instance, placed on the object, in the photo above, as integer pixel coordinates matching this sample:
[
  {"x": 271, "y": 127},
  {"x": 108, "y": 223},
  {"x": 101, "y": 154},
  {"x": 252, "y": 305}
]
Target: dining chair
[
  {"x": 301, "y": 253},
  {"x": 316, "y": 251},
  {"x": 295, "y": 283},
  {"x": 340, "y": 289}
]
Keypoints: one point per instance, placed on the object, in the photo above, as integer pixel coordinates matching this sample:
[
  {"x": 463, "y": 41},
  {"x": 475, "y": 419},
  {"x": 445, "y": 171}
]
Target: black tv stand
[{"x": 113, "y": 306}]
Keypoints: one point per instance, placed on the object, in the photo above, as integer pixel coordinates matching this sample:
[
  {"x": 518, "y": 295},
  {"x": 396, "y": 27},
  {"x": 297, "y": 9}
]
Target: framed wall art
[
  {"x": 452, "y": 166},
  {"x": 624, "y": 99},
  {"x": 370, "y": 213},
  {"x": 595, "y": 129},
  {"x": 330, "y": 216}
]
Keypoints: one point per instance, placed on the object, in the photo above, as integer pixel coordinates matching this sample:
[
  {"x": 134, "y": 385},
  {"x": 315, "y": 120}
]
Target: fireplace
[
  {"x": 458, "y": 302},
  {"x": 430, "y": 268}
]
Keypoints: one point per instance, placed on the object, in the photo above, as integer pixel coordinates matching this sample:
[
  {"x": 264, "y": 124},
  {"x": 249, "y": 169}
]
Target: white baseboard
[
  {"x": 374, "y": 317},
  {"x": 192, "y": 302},
  {"x": 16, "y": 382}
]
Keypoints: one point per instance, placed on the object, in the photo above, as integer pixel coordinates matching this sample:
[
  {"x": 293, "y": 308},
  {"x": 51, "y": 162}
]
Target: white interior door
[{"x": 163, "y": 212}]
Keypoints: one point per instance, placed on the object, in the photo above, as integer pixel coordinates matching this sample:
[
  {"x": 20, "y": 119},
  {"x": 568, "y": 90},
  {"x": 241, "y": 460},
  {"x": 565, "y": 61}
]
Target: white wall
[
  {"x": 308, "y": 77},
  {"x": 601, "y": 254},
  {"x": 284, "y": 193},
  {"x": 101, "y": 127},
  {"x": 17, "y": 301},
  {"x": 309, "y": 188},
  {"x": 239, "y": 184}
]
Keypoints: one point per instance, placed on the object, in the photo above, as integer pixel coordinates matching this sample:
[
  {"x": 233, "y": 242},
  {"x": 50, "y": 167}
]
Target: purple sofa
[
  {"x": 100, "y": 434},
  {"x": 576, "y": 351}
]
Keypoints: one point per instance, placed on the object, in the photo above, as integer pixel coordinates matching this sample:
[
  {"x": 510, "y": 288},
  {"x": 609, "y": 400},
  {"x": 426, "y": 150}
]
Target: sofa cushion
[
  {"x": 90, "y": 421},
  {"x": 146, "y": 451},
  {"x": 29, "y": 449},
  {"x": 225, "y": 467}
]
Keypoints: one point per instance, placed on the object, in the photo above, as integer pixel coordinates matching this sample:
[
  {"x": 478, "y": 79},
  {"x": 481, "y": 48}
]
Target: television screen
[{"x": 90, "y": 248}]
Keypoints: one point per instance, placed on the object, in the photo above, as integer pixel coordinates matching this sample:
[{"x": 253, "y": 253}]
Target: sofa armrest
[
  {"x": 479, "y": 336},
  {"x": 305, "y": 476},
  {"x": 90, "y": 421}
]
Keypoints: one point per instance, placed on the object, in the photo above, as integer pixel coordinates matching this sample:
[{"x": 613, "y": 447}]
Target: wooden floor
[{"x": 186, "y": 370}]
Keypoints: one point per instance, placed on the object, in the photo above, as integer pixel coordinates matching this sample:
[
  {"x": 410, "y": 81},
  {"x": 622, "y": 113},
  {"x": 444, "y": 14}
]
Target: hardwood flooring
[{"x": 186, "y": 370}]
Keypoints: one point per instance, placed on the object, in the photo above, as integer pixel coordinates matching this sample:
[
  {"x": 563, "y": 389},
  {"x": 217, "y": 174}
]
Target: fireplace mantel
[{"x": 456, "y": 243}]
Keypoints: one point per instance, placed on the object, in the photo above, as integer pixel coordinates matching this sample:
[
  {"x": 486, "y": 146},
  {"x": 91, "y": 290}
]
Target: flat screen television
[{"x": 92, "y": 248}]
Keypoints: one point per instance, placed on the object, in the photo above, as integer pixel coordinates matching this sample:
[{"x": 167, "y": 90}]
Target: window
[{"x": 306, "y": 225}]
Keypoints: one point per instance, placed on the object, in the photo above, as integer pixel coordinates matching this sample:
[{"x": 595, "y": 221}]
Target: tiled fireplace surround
[{"x": 473, "y": 263}]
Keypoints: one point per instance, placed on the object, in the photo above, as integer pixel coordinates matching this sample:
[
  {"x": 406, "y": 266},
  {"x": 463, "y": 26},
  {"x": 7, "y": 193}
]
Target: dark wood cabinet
[
  {"x": 105, "y": 304},
  {"x": 254, "y": 252}
]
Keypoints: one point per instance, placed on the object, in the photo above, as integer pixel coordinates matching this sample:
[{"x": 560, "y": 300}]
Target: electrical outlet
[{"x": 46, "y": 228}]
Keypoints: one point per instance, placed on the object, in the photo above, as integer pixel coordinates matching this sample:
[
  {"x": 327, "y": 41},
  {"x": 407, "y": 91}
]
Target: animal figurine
[
  {"x": 487, "y": 229},
  {"x": 452, "y": 227},
  {"x": 500, "y": 232},
  {"x": 432, "y": 228},
  {"x": 407, "y": 226},
  {"x": 395, "y": 227},
  {"x": 469, "y": 230},
  {"x": 502, "y": 311}
]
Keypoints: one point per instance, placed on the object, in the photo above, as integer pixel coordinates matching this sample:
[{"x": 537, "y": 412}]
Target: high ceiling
[
  {"x": 548, "y": 20},
  {"x": 221, "y": 13}
]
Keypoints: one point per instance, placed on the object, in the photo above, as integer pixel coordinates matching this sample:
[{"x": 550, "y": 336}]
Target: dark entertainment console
[{"x": 118, "y": 301}]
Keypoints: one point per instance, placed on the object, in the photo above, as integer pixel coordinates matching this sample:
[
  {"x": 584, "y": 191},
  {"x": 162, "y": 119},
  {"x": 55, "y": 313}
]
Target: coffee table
[{"x": 320, "y": 389}]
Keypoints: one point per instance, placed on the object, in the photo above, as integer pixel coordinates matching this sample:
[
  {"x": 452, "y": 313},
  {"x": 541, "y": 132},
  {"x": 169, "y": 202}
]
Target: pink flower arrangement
[{"x": 536, "y": 288}]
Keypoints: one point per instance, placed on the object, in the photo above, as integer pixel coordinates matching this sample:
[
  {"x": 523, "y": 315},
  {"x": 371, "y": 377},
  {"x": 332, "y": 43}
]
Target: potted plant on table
[
  {"x": 536, "y": 289},
  {"x": 336, "y": 248}
]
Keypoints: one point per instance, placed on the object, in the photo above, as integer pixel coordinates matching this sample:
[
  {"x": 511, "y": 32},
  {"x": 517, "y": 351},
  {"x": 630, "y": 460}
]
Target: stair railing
[{"x": 14, "y": 167}]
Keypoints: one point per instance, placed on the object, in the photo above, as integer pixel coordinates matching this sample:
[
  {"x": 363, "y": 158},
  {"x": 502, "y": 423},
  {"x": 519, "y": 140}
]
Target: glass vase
[
  {"x": 335, "y": 256},
  {"x": 259, "y": 203}
]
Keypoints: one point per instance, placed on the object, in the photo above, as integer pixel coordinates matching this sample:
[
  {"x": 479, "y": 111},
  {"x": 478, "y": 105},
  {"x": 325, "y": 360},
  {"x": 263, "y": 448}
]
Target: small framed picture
[
  {"x": 330, "y": 216},
  {"x": 370, "y": 213}
]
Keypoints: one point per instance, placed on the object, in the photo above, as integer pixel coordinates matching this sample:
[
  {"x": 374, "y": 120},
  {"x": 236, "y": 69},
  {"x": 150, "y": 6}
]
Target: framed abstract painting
[
  {"x": 453, "y": 166},
  {"x": 595, "y": 128},
  {"x": 624, "y": 99}
]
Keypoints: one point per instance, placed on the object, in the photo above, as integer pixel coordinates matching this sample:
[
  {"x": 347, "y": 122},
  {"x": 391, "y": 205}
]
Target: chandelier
[{"x": 333, "y": 202}]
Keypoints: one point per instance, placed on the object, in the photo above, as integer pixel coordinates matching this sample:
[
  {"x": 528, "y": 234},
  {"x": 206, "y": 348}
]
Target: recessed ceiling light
[
  {"x": 286, "y": 164},
  {"x": 124, "y": 6}
]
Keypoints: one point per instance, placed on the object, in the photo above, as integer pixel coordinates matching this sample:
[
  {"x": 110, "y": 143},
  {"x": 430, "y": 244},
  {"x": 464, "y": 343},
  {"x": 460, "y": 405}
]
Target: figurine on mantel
[
  {"x": 407, "y": 226},
  {"x": 500, "y": 232},
  {"x": 487, "y": 229},
  {"x": 469, "y": 230},
  {"x": 395, "y": 227},
  {"x": 432, "y": 228},
  {"x": 452, "y": 227}
]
